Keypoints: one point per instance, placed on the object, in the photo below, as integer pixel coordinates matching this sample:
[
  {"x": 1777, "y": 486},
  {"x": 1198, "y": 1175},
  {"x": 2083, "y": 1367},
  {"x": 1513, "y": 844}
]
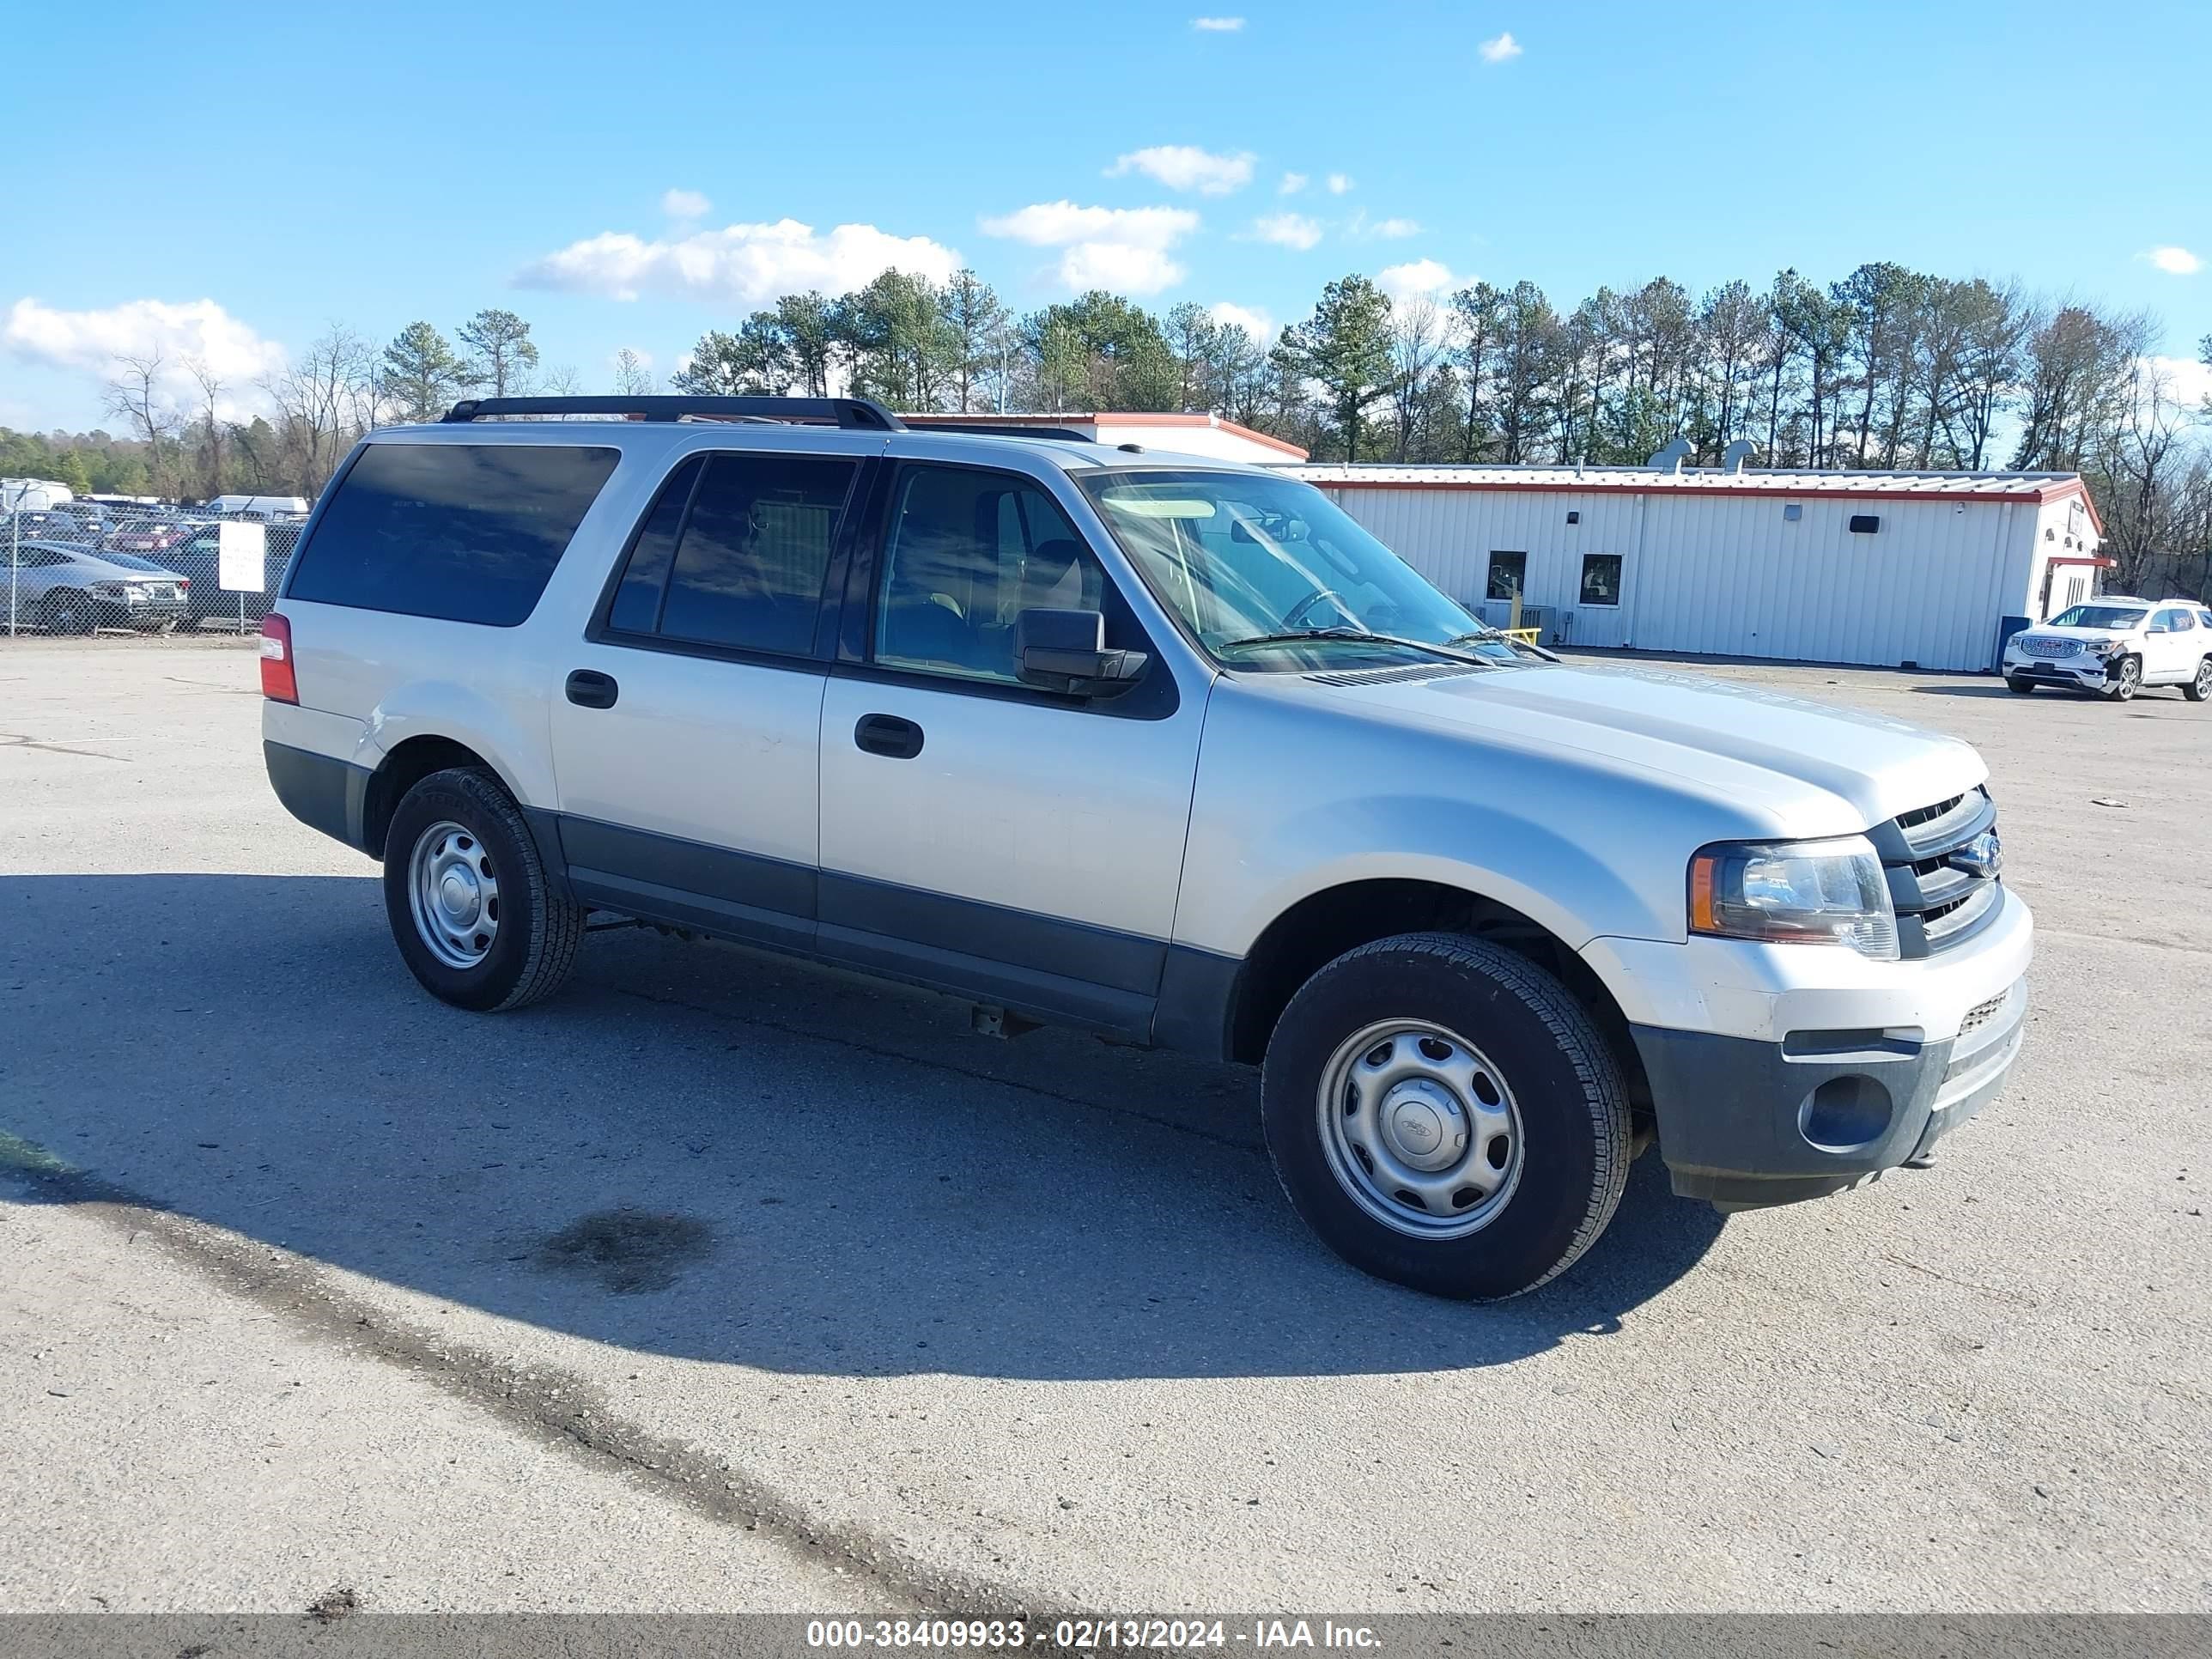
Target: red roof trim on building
[{"x": 1116, "y": 417}]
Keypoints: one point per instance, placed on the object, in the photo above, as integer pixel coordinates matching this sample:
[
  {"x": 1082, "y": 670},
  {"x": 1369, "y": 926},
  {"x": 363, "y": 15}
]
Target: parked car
[
  {"x": 86, "y": 519},
  {"x": 146, "y": 535},
  {"x": 1160, "y": 746},
  {"x": 66, "y": 589},
  {"x": 2116, "y": 644}
]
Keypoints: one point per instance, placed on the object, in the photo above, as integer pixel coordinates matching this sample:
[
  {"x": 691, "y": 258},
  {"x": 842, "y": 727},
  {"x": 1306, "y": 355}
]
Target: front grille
[
  {"x": 1939, "y": 902},
  {"x": 2052, "y": 648}
]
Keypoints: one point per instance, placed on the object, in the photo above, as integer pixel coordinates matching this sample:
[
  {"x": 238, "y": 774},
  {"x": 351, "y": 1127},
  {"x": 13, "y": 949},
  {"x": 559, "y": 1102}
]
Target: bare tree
[
  {"x": 562, "y": 380},
  {"x": 134, "y": 396},
  {"x": 632, "y": 378},
  {"x": 323, "y": 398},
  {"x": 211, "y": 386},
  {"x": 1416, "y": 346}
]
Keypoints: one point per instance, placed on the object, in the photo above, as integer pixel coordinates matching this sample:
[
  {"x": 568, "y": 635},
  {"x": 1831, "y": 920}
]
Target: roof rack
[
  {"x": 996, "y": 429},
  {"x": 854, "y": 413}
]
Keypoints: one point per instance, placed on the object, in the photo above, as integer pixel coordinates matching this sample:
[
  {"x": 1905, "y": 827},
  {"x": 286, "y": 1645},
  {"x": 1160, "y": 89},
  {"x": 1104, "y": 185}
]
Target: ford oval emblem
[{"x": 1982, "y": 856}]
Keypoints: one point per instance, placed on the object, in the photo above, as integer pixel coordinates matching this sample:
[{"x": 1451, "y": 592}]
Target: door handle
[
  {"x": 589, "y": 688},
  {"x": 888, "y": 735}
]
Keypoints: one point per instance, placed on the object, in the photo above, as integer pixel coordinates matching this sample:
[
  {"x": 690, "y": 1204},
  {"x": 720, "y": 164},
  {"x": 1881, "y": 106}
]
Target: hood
[
  {"x": 2049, "y": 631},
  {"x": 1746, "y": 744}
]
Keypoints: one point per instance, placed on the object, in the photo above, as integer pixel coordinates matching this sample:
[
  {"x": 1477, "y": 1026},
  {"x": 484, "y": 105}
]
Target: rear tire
[
  {"x": 69, "y": 612},
  {"x": 2200, "y": 687},
  {"x": 2021, "y": 687},
  {"x": 475, "y": 917},
  {"x": 1412, "y": 1063}
]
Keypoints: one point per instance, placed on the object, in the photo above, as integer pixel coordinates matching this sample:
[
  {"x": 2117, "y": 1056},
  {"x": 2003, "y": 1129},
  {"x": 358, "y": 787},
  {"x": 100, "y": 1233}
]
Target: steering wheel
[{"x": 1291, "y": 617}]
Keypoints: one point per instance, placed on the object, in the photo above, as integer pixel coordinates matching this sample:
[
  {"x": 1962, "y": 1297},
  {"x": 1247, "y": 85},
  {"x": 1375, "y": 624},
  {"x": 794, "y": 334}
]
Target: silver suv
[{"x": 1159, "y": 746}]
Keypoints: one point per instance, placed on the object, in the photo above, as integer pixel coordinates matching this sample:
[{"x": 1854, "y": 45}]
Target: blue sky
[{"x": 229, "y": 180}]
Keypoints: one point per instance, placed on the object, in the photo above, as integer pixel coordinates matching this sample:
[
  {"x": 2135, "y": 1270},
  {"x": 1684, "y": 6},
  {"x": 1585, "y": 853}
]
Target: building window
[
  {"x": 1601, "y": 579},
  {"x": 1509, "y": 573}
]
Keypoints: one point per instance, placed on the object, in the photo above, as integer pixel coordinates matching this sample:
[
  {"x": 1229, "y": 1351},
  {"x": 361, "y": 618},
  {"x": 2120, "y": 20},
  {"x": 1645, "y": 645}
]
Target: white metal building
[{"x": 1879, "y": 567}]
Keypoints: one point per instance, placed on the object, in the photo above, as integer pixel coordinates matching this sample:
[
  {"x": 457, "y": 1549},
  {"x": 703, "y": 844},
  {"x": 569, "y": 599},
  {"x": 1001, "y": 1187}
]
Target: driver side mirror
[
  {"x": 1065, "y": 651},
  {"x": 2157, "y": 628}
]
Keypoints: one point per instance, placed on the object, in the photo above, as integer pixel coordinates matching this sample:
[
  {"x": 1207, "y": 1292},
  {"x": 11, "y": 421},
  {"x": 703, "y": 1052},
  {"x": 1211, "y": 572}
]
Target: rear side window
[
  {"x": 735, "y": 552},
  {"x": 467, "y": 533}
]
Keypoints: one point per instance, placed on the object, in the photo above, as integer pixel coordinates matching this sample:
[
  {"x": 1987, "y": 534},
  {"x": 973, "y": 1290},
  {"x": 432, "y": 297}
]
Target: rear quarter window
[{"x": 465, "y": 532}]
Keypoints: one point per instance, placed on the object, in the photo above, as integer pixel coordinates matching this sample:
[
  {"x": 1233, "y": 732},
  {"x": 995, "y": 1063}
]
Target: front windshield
[
  {"x": 2097, "y": 616},
  {"x": 1245, "y": 559}
]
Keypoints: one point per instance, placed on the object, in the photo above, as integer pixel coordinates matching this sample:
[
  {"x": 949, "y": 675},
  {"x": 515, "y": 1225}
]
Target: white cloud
[
  {"x": 686, "y": 204},
  {"x": 1392, "y": 229},
  {"x": 1339, "y": 183},
  {"x": 1292, "y": 184},
  {"x": 1287, "y": 229},
  {"x": 1251, "y": 318},
  {"x": 1502, "y": 49},
  {"x": 1186, "y": 166},
  {"x": 199, "y": 330},
  {"x": 1426, "y": 278},
  {"x": 2187, "y": 381},
  {"x": 1217, "y": 25},
  {"x": 742, "y": 264},
  {"x": 1124, "y": 248},
  {"x": 2174, "y": 261}
]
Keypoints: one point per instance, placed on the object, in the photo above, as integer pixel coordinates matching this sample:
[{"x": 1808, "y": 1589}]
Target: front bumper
[
  {"x": 2088, "y": 673},
  {"x": 1747, "y": 1123}
]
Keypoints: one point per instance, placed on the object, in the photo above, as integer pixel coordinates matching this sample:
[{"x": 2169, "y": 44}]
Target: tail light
[{"x": 278, "y": 683}]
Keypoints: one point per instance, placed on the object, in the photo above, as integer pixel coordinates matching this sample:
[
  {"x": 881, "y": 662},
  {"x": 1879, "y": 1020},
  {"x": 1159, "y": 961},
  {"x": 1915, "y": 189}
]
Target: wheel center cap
[
  {"x": 456, "y": 894},
  {"x": 1424, "y": 1127}
]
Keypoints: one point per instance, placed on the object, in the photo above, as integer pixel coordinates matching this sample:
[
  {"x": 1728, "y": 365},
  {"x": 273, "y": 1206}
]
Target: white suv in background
[
  {"x": 1165, "y": 748},
  {"x": 2117, "y": 645}
]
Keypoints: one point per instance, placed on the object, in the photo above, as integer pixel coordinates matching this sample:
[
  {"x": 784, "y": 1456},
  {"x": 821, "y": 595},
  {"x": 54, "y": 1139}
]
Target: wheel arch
[{"x": 1324, "y": 925}]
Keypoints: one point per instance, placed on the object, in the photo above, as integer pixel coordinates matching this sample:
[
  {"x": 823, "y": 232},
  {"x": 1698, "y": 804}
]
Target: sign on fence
[{"x": 241, "y": 557}]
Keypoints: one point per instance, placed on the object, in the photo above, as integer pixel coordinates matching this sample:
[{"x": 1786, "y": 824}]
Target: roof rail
[
  {"x": 855, "y": 414},
  {"x": 996, "y": 429}
]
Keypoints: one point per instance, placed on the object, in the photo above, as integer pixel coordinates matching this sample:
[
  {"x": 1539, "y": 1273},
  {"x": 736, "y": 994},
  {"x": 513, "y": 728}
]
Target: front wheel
[
  {"x": 1445, "y": 1115},
  {"x": 2127, "y": 680},
  {"x": 2200, "y": 687},
  {"x": 2020, "y": 687},
  {"x": 474, "y": 915}
]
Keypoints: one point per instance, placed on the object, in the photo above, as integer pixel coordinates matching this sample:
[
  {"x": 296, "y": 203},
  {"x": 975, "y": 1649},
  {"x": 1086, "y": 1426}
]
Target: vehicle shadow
[{"x": 708, "y": 1153}]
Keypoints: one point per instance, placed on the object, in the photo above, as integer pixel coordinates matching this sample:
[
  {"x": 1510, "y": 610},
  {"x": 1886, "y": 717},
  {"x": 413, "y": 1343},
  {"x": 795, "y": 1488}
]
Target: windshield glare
[
  {"x": 2097, "y": 616},
  {"x": 1240, "y": 556}
]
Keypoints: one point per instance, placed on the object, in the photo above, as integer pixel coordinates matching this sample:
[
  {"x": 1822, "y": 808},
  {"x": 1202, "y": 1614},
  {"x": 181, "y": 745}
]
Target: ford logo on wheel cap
[{"x": 1983, "y": 856}]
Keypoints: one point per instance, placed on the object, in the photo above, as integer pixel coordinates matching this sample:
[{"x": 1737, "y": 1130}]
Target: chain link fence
[{"x": 83, "y": 567}]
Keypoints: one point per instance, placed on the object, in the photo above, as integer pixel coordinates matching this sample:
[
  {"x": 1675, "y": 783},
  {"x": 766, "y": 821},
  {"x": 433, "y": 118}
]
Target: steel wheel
[
  {"x": 2131, "y": 679},
  {"x": 454, "y": 895},
  {"x": 1420, "y": 1129}
]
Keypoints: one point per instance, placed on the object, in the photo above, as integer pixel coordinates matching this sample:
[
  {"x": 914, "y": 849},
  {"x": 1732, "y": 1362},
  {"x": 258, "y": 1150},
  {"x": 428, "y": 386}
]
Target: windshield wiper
[
  {"x": 1358, "y": 635},
  {"x": 1499, "y": 636}
]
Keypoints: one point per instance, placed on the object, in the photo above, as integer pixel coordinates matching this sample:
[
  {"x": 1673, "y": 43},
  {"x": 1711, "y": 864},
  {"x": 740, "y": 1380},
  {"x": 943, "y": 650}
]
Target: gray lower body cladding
[{"x": 1747, "y": 1124}]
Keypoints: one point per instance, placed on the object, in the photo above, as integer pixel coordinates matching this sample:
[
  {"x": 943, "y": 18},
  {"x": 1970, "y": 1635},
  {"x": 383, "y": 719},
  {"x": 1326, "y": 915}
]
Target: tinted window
[
  {"x": 1601, "y": 579},
  {"x": 636, "y": 608},
  {"x": 2174, "y": 622},
  {"x": 754, "y": 552},
  {"x": 1508, "y": 572},
  {"x": 470, "y": 532},
  {"x": 967, "y": 553}
]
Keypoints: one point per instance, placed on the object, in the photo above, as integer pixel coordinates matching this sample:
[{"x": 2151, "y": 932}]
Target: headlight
[{"x": 1802, "y": 892}]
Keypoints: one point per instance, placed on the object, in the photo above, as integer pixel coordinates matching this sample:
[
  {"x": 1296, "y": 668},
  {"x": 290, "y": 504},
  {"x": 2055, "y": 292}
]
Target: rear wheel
[
  {"x": 2126, "y": 681},
  {"x": 471, "y": 908},
  {"x": 1445, "y": 1115},
  {"x": 2023, "y": 687},
  {"x": 68, "y": 611},
  {"x": 2200, "y": 687}
]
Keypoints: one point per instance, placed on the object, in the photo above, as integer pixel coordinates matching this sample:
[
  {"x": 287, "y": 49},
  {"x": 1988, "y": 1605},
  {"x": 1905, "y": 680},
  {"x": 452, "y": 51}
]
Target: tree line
[{"x": 1888, "y": 368}]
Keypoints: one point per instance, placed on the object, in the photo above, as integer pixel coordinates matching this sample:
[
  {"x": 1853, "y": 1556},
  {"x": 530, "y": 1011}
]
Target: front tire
[
  {"x": 2200, "y": 687},
  {"x": 2126, "y": 681},
  {"x": 1444, "y": 1114},
  {"x": 2022, "y": 688},
  {"x": 474, "y": 915}
]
